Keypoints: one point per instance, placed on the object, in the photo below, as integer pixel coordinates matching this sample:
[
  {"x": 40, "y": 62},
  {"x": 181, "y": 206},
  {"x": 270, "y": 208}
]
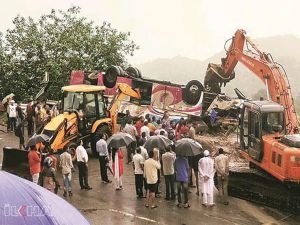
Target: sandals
[
  {"x": 152, "y": 207},
  {"x": 186, "y": 205}
]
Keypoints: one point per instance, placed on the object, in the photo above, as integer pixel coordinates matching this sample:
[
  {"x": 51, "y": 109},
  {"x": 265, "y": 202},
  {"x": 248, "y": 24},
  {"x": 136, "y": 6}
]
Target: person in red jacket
[
  {"x": 34, "y": 159},
  {"x": 138, "y": 125}
]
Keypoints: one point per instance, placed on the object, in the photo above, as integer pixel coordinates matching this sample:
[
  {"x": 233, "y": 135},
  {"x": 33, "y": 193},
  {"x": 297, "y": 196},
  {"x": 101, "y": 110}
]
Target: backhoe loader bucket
[{"x": 15, "y": 161}]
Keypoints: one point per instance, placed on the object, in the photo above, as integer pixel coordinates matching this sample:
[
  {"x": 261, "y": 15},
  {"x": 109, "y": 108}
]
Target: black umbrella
[
  {"x": 158, "y": 141},
  {"x": 188, "y": 147},
  {"x": 120, "y": 140},
  {"x": 36, "y": 139}
]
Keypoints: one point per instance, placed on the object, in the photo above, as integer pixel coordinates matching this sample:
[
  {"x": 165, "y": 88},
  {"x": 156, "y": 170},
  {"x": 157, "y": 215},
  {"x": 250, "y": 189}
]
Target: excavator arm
[
  {"x": 123, "y": 91},
  {"x": 243, "y": 50}
]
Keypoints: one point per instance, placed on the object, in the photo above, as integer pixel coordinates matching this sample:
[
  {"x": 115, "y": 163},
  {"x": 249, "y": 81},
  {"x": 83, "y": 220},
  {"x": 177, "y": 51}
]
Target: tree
[
  {"x": 2, "y": 65},
  {"x": 58, "y": 43}
]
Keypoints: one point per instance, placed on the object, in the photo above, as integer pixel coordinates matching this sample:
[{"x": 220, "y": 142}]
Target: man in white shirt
[
  {"x": 151, "y": 166},
  {"x": 130, "y": 129},
  {"x": 101, "y": 148},
  {"x": 168, "y": 160},
  {"x": 138, "y": 166},
  {"x": 145, "y": 129},
  {"x": 144, "y": 153},
  {"x": 162, "y": 131},
  {"x": 82, "y": 163},
  {"x": 12, "y": 112},
  {"x": 66, "y": 165}
]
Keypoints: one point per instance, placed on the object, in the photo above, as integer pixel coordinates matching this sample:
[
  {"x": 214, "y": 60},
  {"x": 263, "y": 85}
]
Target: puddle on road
[{"x": 92, "y": 210}]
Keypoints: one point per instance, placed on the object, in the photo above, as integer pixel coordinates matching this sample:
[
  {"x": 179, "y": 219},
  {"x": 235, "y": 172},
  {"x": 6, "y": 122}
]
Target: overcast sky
[{"x": 168, "y": 28}]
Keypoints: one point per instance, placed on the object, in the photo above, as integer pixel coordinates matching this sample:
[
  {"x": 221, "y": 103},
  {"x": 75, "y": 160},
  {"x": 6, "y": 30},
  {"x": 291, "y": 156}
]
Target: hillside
[{"x": 284, "y": 49}]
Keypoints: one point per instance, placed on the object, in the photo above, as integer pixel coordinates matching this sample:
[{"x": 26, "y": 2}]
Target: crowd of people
[
  {"x": 37, "y": 115},
  {"x": 149, "y": 165}
]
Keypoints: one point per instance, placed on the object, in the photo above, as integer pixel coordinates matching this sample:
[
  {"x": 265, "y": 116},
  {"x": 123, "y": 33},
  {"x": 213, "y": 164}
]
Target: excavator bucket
[
  {"x": 15, "y": 161},
  {"x": 215, "y": 76}
]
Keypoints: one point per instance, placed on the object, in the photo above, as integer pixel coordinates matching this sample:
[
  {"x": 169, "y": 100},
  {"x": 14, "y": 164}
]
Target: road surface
[{"x": 104, "y": 205}]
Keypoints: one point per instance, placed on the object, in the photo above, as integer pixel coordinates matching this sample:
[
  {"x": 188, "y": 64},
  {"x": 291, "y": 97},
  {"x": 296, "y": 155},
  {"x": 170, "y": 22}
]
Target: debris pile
[{"x": 230, "y": 144}]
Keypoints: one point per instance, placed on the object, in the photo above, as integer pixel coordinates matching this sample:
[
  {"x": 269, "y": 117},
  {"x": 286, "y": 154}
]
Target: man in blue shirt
[{"x": 182, "y": 178}]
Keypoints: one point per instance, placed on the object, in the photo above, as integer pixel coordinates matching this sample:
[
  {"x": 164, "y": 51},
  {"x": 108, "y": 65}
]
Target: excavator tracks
[{"x": 259, "y": 187}]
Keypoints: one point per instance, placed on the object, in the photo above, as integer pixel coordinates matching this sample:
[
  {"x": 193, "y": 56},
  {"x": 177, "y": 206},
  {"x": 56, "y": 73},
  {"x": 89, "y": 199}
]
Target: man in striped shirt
[
  {"x": 130, "y": 129},
  {"x": 66, "y": 165}
]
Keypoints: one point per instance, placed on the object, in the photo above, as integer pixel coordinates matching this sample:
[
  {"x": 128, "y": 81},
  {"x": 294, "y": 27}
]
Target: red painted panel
[
  {"x": 111, "y": 91},
  {"x": 77, "y": 77}
]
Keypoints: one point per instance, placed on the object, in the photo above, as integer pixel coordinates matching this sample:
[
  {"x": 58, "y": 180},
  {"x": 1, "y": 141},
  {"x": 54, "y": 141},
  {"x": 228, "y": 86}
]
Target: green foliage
[{"x": 57, "y": 43}]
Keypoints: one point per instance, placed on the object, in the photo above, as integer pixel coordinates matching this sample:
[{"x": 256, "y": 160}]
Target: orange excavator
[{"x": 269, "y": 137}]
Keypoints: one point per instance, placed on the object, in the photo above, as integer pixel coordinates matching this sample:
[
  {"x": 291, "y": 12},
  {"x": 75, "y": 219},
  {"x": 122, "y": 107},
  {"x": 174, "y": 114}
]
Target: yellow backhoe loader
[{"x": 85, "y": 114}]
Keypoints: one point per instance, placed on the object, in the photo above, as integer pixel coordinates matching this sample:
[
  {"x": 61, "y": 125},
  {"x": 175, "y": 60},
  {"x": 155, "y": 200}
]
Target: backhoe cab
[{"x": 82, "y": 106}]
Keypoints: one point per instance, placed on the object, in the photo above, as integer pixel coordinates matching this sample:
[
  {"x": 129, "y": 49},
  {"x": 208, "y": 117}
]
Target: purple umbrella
[{"x": 23, "y": 202}]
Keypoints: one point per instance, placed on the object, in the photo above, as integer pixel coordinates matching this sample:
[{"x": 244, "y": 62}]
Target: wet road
[{"x": 105, "y": 205}]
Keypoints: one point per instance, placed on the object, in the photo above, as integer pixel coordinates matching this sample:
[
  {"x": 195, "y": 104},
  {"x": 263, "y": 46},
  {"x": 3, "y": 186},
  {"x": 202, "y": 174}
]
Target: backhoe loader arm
[
  {"x": 123, "y": 91},
  {"x": 243, "y": 50}
]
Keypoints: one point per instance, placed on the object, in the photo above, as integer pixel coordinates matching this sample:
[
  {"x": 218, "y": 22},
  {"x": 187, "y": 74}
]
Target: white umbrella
[{"x": 8, "y": 97}]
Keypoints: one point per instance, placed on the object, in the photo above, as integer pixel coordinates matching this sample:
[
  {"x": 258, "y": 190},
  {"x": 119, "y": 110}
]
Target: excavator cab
[
  {"x": 259, "y": 118},
  {"x": 272, "y": 122}
]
